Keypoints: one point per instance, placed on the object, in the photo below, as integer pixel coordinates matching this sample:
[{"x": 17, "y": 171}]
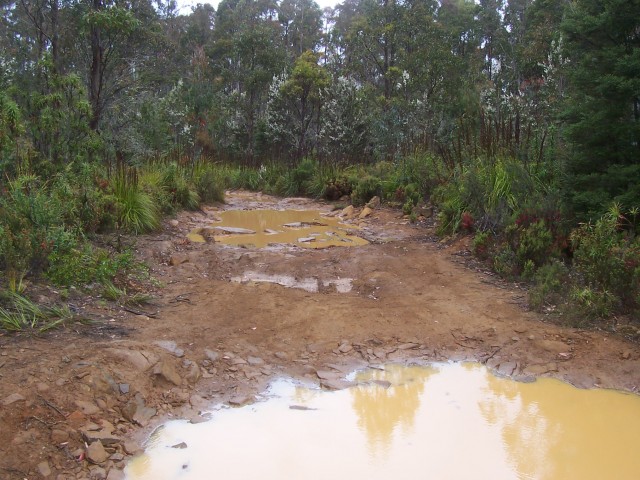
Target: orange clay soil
[{"x": 217, "y": 330}]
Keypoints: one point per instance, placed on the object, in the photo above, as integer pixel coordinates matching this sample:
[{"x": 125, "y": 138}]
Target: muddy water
[
  {"x": 303, "y": 228},
  {"x": 452, "y": 421}
]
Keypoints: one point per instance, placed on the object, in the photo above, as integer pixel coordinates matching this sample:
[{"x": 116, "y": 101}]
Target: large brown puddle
[
  {"x": 303, "y": 228},
  {"x": 450, "y": 421}
]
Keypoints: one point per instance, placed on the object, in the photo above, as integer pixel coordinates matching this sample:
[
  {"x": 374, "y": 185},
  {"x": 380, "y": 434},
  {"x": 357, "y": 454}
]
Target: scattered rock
[
  {"x": 178, "y": 259},
  {"x": 240, "y": 400},
  {"x": 136, "y": 411},
  {"x": 374, "y": 203},
  {"x": 174, "y": 223},
  {"x": 255, "y": 361},
  {"x": 130, "y": 447},
  {"x": 13, "y": 398},
  {"x": 104, "y": 435},
  {"x": 124, "y": 388},
  {"x": 540, "y": 369},
  {"x": 97, "y": 473},
  {"x": 76, "y": 418},
  {"x": 42, "y": 387},
  {"x": 96, "y": 452},
  {"x": 235, "y": 230},
  {"x": 281, "y": 355},
  {"x": 306, "y": 239},
  {"x": 44, "y": 469},
  {"x": 194, "y": 374},
  {"x": 171, "y": 347},
  {"x": 211, "y": 354},
  {"x": 166, "y": 371},
  {"x": 348, "y": 212},
  {"x": 180, "y": 445},
  {"x": 345, "y": 347},
  {"x": 626, "y": 355},
  {"x": 87, "y": 407},
  {"x": 366, "y": 211},
  {"x": 507, "y": 369},
  {"x": 142, "y": 360},
  {"x": 335, "y": 384},
  {"x": 115, "y": 474}
]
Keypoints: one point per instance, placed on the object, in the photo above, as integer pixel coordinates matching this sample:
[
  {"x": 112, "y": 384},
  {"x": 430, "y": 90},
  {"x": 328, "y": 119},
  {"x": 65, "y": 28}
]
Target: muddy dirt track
[{"x": 77, "y": 403}]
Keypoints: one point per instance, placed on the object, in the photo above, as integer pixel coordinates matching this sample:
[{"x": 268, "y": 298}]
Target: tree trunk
[{"x": 96, "y": 71}]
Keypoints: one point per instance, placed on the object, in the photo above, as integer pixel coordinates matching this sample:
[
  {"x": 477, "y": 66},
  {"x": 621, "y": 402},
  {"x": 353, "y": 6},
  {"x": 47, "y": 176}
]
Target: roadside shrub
[
  {"x": 481, "y": 244},
  {"x": 136, "y": 209},
  {"x": 208, "y": 183},
  {"x": 550, "y": 285},
  {"x": 505, "y": 262},
  {"x": 366, "y": 188},
  {"x": 407, "y": 207},
  {"x": 607, "y": 258},
  {"x": 84, "y": 264}
]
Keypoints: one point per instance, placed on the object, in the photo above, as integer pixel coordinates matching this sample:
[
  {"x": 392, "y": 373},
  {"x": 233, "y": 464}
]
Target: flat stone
[
  {"x": 507, "y": 368},
  {"x": 97, "y": 473},
  {"x": 96, "y": 453},
  {"x": 171, "y": 347},
  {"x": 255, "y": 361},
  {"x": 306, "y": 239},
  {"x": 104, "y": 435},
  {"x": 166, "y": 370},
  {"x": 136, "y": 411},
  {"x": 281, "y": 355},
  {"x": 345, "y": 347},
  {"x": 235, "y": 230},
  {"x": 124, "y": 388},
  {"x": 130, "y": 447},
  {"x": 141, "y": 360},
  {"x": 335, "y": 384},
  {"x": 174, "y": 223},
  {"x": 115, "y": 474},
  {"x": 13, "y": 398},
  {"x": 44, "y": 469},
  {"x": 42, "y": 387},
  {"x": 211, "y": 354},
  {"x": 327, "y": 375},
  {"x": 180, "y": 445},
  {"x": 540, "y": 369},
  {"x": 408, "y": 346},
  {"x": 240, "y": 400}
]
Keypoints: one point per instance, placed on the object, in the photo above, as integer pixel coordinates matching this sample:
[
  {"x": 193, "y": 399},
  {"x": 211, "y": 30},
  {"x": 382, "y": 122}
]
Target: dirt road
[{"x": 216, "y": 331}]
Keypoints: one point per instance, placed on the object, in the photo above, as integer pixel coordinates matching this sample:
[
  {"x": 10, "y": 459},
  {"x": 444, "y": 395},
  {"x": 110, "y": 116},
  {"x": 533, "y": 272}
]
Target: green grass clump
[
  {"x": 19, "y": 313},
  {"x": 137, "y": 211}
]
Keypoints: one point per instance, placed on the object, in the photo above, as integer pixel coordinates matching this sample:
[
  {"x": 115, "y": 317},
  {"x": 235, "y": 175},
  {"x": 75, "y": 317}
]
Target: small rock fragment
[
  {"x": 165, "y": 370},
  {"x": 13, "y": 398},
  {"x": 44, "y": 469},
  {"x": 96, "y": 453},
  {"x": 180, "y": 445}
]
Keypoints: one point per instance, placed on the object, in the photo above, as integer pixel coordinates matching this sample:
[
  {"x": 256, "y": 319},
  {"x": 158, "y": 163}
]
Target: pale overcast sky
[{"x": 185, "y": 5}]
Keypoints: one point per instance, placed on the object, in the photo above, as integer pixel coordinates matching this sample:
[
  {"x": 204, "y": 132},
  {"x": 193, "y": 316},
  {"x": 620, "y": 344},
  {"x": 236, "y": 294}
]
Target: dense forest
[{"x": 518, "y": 120}]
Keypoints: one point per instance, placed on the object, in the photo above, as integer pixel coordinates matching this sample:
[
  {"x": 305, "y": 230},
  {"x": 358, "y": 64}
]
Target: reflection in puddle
[
  {"x": 303, "y": 228},
  {"x": 452, "y": 421},
  {"x": 313, "y": 285}
]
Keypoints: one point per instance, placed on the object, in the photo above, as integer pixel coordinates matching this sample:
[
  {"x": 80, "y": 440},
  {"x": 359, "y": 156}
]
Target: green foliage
[
  {"x": 84, "y": 264},
  {"x": 18, "y": 313},
  {"x": 367, "y": 187},
  {"x": 208, "y": 182},
  {"x": 136, "y": 210},
  {"x": 607, "y": 259},
  {"x": 550, "y": 285}
]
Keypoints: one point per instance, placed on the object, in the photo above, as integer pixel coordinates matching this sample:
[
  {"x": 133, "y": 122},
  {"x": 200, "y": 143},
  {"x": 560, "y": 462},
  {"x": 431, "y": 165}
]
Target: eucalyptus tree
[{"x": 246, "y": 52}]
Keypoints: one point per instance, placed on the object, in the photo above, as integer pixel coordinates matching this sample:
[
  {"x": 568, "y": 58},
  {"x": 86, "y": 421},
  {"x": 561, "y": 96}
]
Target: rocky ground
[{"x": 78, "y": 402}]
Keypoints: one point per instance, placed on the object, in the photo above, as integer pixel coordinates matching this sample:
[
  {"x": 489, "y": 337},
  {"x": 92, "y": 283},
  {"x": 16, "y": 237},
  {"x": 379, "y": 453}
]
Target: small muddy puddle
[
  {"x": 303, "y": 228},
  {"x": 312, "y": 285},
  {"x": 448, "y": 421}
]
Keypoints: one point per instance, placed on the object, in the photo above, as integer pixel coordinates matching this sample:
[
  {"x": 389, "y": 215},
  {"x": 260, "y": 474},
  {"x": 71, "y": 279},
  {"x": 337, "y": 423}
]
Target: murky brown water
[
  {"x": 303, "y": 228},
  {"x": 452, "y": 421}
]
